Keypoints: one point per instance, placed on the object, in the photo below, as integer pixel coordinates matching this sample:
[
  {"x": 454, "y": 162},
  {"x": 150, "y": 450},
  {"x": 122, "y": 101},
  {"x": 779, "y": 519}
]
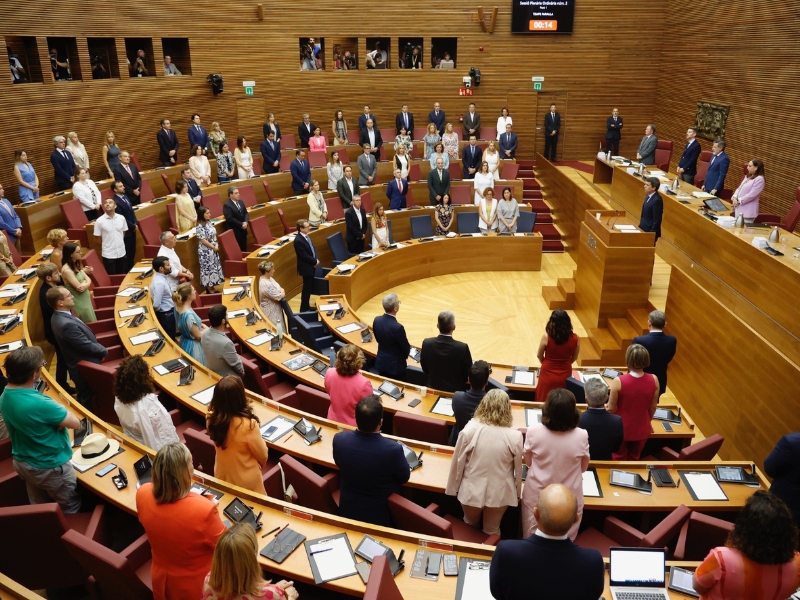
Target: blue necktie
[{"x": 313, "y": 251}]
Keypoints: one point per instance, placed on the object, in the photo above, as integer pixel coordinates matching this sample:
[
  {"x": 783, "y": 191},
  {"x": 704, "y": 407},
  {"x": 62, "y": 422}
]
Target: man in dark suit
[
  {"x": 125, "y": 208},
  {"x": 167, "y": 144},
  {"x": 301, "y": 173},
  {"x": 198, "y": 134},
  {"x": 355, "y": 218},
  {"x": 364, "y": 117},
  {"x": 613, "y": 135},
  {"x": 50, "y": 276},
  {"x": 653, "y": 207},
  {"x": 646, "y": 154},
  {"x": 129, "y": 175},
  {"x": 548, "y": 565},
  {"x": 446, "y": 361},
  {"x": 393, "y": 346},
  {"x": 370, "y": 135},
  {"x": 471, "y": 158},
  {"x": 438, "y": 182},
  {"x": 371, "y": 467},
  {"x": 404, "y": 119},
  {"x": 552, "y": 125},
  {"x": 717, "y": 169},
  {"x": 63, "y": 163},
  {"x": 307, "y": 262},
  {"x": 305, "y": 130},
  {"x": 191, "y": 187},
  {"x": 76, "y": 340},
  {"x": 472, "y": 122},
  {"x": 396, "y": 191},
  {"x": 660, "y": 346},
  {"x": 465, "y": 403},
  {"x": 437, "y": 117},
  {"x": 687, "y": 166},
  {"x": 508, "y": 143},
  {"x": 604, "y": 429},
  {"x": 271, "y": 153},
  {"x": 784, "y": 468},
  {"x": 236, "y": 217},
  {"x": 347, "y": 187}
]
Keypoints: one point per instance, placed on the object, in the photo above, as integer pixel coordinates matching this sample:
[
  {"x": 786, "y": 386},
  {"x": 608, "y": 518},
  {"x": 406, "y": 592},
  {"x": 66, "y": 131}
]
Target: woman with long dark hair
[
  {"x": 75, "y": 277},
  {"x": 558, "y": 349}
]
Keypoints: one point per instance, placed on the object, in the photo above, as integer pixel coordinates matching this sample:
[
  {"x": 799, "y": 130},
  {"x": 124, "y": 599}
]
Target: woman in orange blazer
[
  {"x": 182, "y": 526},
  {"x": 234, "y": 429}
]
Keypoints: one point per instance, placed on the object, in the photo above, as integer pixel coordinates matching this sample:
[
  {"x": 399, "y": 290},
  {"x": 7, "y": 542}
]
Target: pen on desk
[
  {"x": 281, "y": 531},
  {"x": 270, "y": 531},
  {"x": 320, "y": 551},
  {"x": 679, "y": 483},
  {"x": 258, "y": 518},
  {"x": 402, "y": 553},
  {"x": 288, "y": 438}
]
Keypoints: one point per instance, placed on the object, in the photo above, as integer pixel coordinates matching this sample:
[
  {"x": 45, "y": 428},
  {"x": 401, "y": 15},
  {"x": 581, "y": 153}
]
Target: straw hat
[{"x": 95, "y": 448}]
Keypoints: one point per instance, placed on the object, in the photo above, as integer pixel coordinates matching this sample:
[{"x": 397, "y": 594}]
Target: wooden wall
[{"x": 590, "y": 72}]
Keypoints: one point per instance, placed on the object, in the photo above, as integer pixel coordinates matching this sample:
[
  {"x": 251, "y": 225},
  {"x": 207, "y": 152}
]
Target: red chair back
[
  {"x": 15, "y": 255},
  {"x": 258, "y": 162},
  {"x": 410, "y": 198},
  {"x": 73, "y": 213},
  {"x": 705, "y": 450},
  {"x": 101, "y": 379},
  {"x": 167, "y": 183},
  {"x": 335, "y": 210},
  {"x": 204, "y": 454},
  {"x": 702, "y": 168},
  {"x": 312, "y": 401},
  {"x": 663, "y": 154},
  {"x": 99, "y": 275},
  {"x": 146, "y": 191},
  {"x": 261, "y": 231},
  {"x": 343, "y": 158},
  {"x": 287, "y": 143},
  {"x": 366, "y": 202},
  {"x": 461, "y": 194},
  {"x": 172, "y": 211},
  {"x": 387, "y": 135},
  {"x": 699, "y": 534},
  {"x": 282, "y": 217},
  {"x": 106, "y": 193},
  {"x": 353, "y": 136},
  {"x": 414, "y": 172},
  {"x": 415, "y": 152},
  {"x": 489, "y": 133},
  {"x": 424, "y": 429},
  {"x": 135, "y": 161},
  {"x": 793, "y": 216},
  {"x": 286, "y": 162},
  {"x": 455, "y": 171},
  {"x": 248, "y": 195},
  {"x": 266, "y": 190},
  {"x": 253, "y": 380},
  {"x": 663, "y": 533},
  {"x": 418, "y": 133},
  {"x": 509, "y": 170},
  {"x": 150, "y": 230},
  {"x": 317, "y": 158},
  {"x": 312, "y": 490},
  {"x": 213, "y": 203},
  {"x": 381, "y": 585},
  {"x": 229, "y": 246},
  {"x": 412, "y": 517},
  {"x": 381, "y": 157}
]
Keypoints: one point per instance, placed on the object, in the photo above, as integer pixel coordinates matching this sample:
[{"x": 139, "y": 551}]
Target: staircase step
[
  {"x": 538, "y": 206},
  {"x": 526, "y": 163},
  {"x": 530, "y": 184},
  {"x": 606, "y": 346},
  {"x": 567, "y": 287},
  {"x": 552, "y": 247},
  {"x": 554, "y": 298},
  {"x": 548, "y": 231},
  {"x": 532, "y": 195},
  {"x": 544, "y": 218},
  {"x": 622, "y": 331},
  {"x": 637, "y": 319},
  {"x": 588, "y": 356}
]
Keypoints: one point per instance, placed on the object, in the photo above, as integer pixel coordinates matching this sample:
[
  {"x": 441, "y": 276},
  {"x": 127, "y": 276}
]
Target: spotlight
[{"x": 216, "y": 83}]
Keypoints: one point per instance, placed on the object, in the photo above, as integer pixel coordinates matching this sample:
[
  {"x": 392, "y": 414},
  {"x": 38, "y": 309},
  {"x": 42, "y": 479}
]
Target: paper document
[
  {"x": 327, "y": 307},
  {"x": 443, "y": 406},
  {"x": 23, "y": 272},
  {"x": 128, "y": 292},
  {"x": 349, "y": 328},
  {"x": 533, "y": 416},
  {"x": 519, "y": 235},
  {"x": 233, "y": 290},
  {"x": 262, "y": 338},
  {"x": 476, "y": 581},
  {"x": 232, "y": 314},
  {"x": 205, "y": 396},
  {"x": 656, "y": 173},
  {"x": 523, "y": 377},
  {"x": 590, "y": 485},
  {"x": 345, "y": 268},
  {"x": 9, "y": 293},
  {"x": 276, "y": 428},
  {"x": 333, "y": 559},
  {"x": 451, "y": 234},
  {"x": 11, "y": 346},
  {"x": 704, "y": 486},
  {"x": 588, "y": 376},
  {"x": 622, "y": 226},
  {"x": 129, "y": 312},
  {"x": 703, "y": 195},
  {"x": 145, "y": 337},
  {"x": 140, "y": 269},
  {"x": 46, "y": 252},
  {"x": 162, "y": 370}
]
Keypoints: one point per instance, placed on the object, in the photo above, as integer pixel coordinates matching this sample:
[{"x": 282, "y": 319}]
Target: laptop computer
[{"x": 638, "y": 574}]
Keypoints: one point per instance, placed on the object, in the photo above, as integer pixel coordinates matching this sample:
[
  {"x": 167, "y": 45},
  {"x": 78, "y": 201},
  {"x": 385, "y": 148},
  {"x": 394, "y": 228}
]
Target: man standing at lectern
[{"x": 653, "y": 207}]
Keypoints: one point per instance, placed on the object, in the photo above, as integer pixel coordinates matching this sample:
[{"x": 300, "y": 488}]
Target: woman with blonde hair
[
  {"x": 190, "y": 326},
  {"x": 346, "y": 385},
  {"x": 235, "y": 572},
  {"x": 111, "y": 153},
  {"x": 216, "y": 137},
  {"x": 484, "y": 179},
  {"x": 243, "y": 158},
  {"x": 57, "y": 238},
  {"x": 380, "y": 227},
  {"x": 317, "y": 209},
  {"x": 78, "y": 150},
  {"x": 486, "y": 470},
  {"x": 431, "y": 138},
  {"x": 450, "y": 141},
  {"x": 270, "y": 294},
  {"x": 200, "y": 167},
  {"x": 186, "y": 216}
]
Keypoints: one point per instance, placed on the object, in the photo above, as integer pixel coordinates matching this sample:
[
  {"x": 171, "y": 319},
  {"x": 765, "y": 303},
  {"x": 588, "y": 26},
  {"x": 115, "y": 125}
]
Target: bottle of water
[
  {"x": 674, "y": 184},
  {"x": 280, "y": 331}
]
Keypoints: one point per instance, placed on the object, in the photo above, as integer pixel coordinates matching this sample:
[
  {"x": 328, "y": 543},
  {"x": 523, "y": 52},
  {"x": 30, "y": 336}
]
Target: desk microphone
[
  {"x": 615, "y": 220},
  {"x": 615, "y": 215}
]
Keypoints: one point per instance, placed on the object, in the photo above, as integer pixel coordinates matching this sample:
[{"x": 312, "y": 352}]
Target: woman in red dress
[{"x": 558, "y": 349}]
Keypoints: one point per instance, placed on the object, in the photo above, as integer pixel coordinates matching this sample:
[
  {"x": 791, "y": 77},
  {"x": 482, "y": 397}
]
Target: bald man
[{"x": 548, "y": 565}]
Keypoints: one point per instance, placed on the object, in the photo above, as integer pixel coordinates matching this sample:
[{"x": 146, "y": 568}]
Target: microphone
[{"x": 616, "y": 216}]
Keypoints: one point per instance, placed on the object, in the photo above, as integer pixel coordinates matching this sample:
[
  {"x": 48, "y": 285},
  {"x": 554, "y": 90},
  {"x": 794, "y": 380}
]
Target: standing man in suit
[
  {"x": 355, "y": 218},
  {"x": 76, "y": 340},
  {"x": 605, "y": 429},
  {"x": 307, "y": 262},
  {"x": 660, "y": 346},
  {"x": 508, "y": 143},
  {"x": 446, "y": 361},
  {"x": 236, "y": 217},
  {"x": 646, "y": 154},
  {"x": 687, "y": 166},
  {"x": 347, "y": 187},
  {"x": 653, "y": 207},
  {"x": 305, "y": 130},
  {"x": 167, "y": 144},
  {"x": 613, "y": 134},
  {"x": 198, "y": 134},
  {"x": 50, "y": 276},
  {"x": 191, "y": 187},
  {"x": 271, "y": 153},
  {"x": 372, "y": 468},
  {"x": 63, "y": 163},
  {"x": 364, "y": 117},
  {"x": 784, "y": 468},
  {"x": 437, "y": 117},
  {"x": 472, "y": 122},
  {"x": 367, "y": 166},
  {"x": 125, "y": 208},
  {"x": 301, "y": 173},
  {"x": 370, "y": 135},
  {"x": 471, "y": 158},
  {"x": 552, "y": 125},
  {"x": 393, "y": 346},
  {"x": 717, "y": 169},
  {"x": 438, "y": 183},
  {"x": 396, "y": 191},
  {"x": 109, "y": 231},
  {"x": 404, "y": 119},
  {"x": 465, "y": 403},
  {"x": 129, "y": 175},
  {"x": 560, "y": 568}
]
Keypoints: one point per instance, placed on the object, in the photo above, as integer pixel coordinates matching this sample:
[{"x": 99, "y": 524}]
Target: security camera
[{"x": 468, "y": 83}]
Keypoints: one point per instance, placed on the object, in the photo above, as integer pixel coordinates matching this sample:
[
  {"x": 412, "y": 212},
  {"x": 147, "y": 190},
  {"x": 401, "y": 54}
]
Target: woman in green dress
[{"x": 76, "y": 279}]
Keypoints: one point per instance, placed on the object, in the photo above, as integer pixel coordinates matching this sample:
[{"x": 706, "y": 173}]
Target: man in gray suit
[
  {"x": 219, "y": 350},
  {"x": 646, "y": 154},
  {"x": 367, "y": 166},
  {"x": 76, "y": 340}
]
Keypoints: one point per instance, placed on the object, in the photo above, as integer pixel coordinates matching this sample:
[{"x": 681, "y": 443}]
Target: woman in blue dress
[
  {"x": 26, "y": 176},
  {"x": 9, "y": 220},
  {"x": 190, "y": 326}
]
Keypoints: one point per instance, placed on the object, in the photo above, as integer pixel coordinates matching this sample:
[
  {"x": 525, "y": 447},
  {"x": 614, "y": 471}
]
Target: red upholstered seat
[
  {"x": 248, "y": 195},
  {"x": 282, "y": 217},
  {"x": 381, "y": 585},
  {"x": 151, "y": 232},
  {"x": 702, "y": 168},
  {"x": 509, "y": 170},
  {"x": 204, "y": 454},
  {"x": 233, "y": 265},
  {"x": 699, "y": 534},
  {"x": 412, "y": 517},
  {"x": 414, "y": 173},
  {"x": 663, "y": 154},
  {"x": 424, "y": 429},
  {"x": 213, "y": 203},
  {"x": 366, "y": 202},
  {"x": 788, "y": 223},
  {"x": 12, "y": 489},
  {"x": 317, "y": 158},
  {"x": 261, "y": 231},
  {"x": 167, "y": 183},
  {"x": 335, "y": 210},
  {"x": 266, "y": 190},
  {"x": 313, "y": 491},
  {"x": 461, "y": 194},
  {"x": 103, "y": 283},
  {"x": 146, "y": 191},
  {"x": 266, "y": 384},
  {"x": 76, "y": 219},
  {"x": 704, "y": 450},
  {"x": 312, "y": 401}
]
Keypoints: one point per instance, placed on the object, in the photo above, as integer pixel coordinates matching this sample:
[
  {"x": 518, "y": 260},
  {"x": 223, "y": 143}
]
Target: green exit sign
[
  {"x": 248, "y": 91},
  {"x": 537, "y": 86}
]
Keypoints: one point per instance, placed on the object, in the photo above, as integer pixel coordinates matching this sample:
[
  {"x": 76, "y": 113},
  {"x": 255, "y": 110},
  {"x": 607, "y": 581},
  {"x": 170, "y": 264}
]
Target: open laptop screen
[{"x": 643, "y": 567}]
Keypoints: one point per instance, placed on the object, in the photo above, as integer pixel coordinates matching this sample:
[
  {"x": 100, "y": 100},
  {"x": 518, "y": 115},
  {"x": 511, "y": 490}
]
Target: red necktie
[{"x": 400, "y": 185}]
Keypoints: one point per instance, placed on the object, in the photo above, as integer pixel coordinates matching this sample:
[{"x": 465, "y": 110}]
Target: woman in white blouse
[
  {"x": 317, "y": 209},
  {"x": 78, "y": 150},
  {"x": 140, "y": 413},
  {"x": 401, "y": 161},
  {"x": 483, "y": 180},
  {"x": 503, "y": 120},
  {"x": 335, "y": 170},
  {"x": 201, "y": 169},
  {"x": 85, "y": 190},
  {"x": 492, "y": 158},
  {"x": 487, "y": 211},
  {"x": 243, "y": 159}
]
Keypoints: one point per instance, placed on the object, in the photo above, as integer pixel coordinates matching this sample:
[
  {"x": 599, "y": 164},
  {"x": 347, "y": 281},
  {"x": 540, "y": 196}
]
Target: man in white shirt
[
  {"x": 177, "y": 271},
  {"x": 17, "y": 70},
  {"x": 109, "y": 230},
  {"x": 347, "y": 188}
]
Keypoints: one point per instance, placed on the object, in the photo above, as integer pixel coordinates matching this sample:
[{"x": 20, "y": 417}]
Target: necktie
[
  {"x": 615, "y": 119},
  {"x": 128, "y": 169},
  {"x": 400, "y": 185},
  {"x": 313, "y": 251},
  {"x": 440, "y": 175},
  {"x": 437, "y": 113},
  {"x": 197, "y": 127},
  {"x": 405, "y": 116},
  {"x": 713, "y": 156},
  {"x": 473, "y": 151},
  {"x": 646, "y": 199}
]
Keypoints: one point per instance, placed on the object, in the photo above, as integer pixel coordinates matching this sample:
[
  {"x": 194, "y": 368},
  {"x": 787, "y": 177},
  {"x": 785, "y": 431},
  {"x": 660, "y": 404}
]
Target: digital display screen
[{"x": 542, "y": 16}]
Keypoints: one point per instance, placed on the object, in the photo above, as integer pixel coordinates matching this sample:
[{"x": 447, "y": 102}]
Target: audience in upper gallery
[
  {"x": 185, "y": 212},
  {"x": 465, "y": 403},
  {"x": 200, "y": 167},
  {"x": 349, "y": 61},
  {"x": 559, "y": 568},
  {"x": 219, "y": 349},
  {"x": 445, "y": 360},
  {"x": 507, "y": 212},
  {"x": 86, "y": 192},
  {"x": 190, "y": 325},
  {"x": 339, "y": 128},
  {"x": 243, "y": 158},
  {"x": 63, "y": 163},
  {"x": 270, "y": 294},
  {"x": 38, "y": 427},
  {"x": 111, "y": 153},
  {"x": 235, "y": 573},
  {"x": 215, "y": 137},
  {"x": 26, "y": 177},
  {"x": 346, "y": 385},
  {"x": 317, "y": 142},
  {"x": 234, "y": 429},
  {"x": 182, "y": 526},
  {"x": 605, "y": 430},
  {"x": 50, "y": 276},
  {"x": 136, "y": 403},
  {"x": 746, "y": 197},
  {"x": 57, "y": 238},
  {"x": 270, "y": 154},
  {"x": 225, "y": 163},
  {"x": 634, "y": 397},
  {"x": 78, "y": 150},
  {"x": 486, "y": 469},
  {"x": 208, "y": 251},
  {"x": 138, "y": 67},
  {"x": 371, "y": 467},
  {"x": 9, "y": 219},
  {"x": 335, "y": 171},
  {"x": 660, "y": 346},
  {"x": 75, "y": 276},
  {"x": 784, "y": 468},
  {"x": 558, "y": 349},
  {"x": 760, "y": 558},
  {"x": 556, "y": 451},
  {"x": 169, "y": 67}
]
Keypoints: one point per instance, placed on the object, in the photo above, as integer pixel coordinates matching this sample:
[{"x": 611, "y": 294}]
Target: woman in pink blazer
[
  {"x": 486, "y": 470},
  {"x": 745, "y": 198},
  {"x": 346, "y": 385},
  {"x": 317, "y": 142},
  {"x": 556, "y": 451}
]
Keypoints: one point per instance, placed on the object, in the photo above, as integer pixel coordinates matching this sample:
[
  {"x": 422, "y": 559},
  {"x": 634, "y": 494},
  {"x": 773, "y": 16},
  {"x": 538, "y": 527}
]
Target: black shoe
[{"x": 70, "y": 389}]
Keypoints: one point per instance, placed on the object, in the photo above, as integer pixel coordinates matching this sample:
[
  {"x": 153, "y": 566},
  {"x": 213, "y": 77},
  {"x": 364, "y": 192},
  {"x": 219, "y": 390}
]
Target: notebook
[{"x": 638, "y": 573}]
